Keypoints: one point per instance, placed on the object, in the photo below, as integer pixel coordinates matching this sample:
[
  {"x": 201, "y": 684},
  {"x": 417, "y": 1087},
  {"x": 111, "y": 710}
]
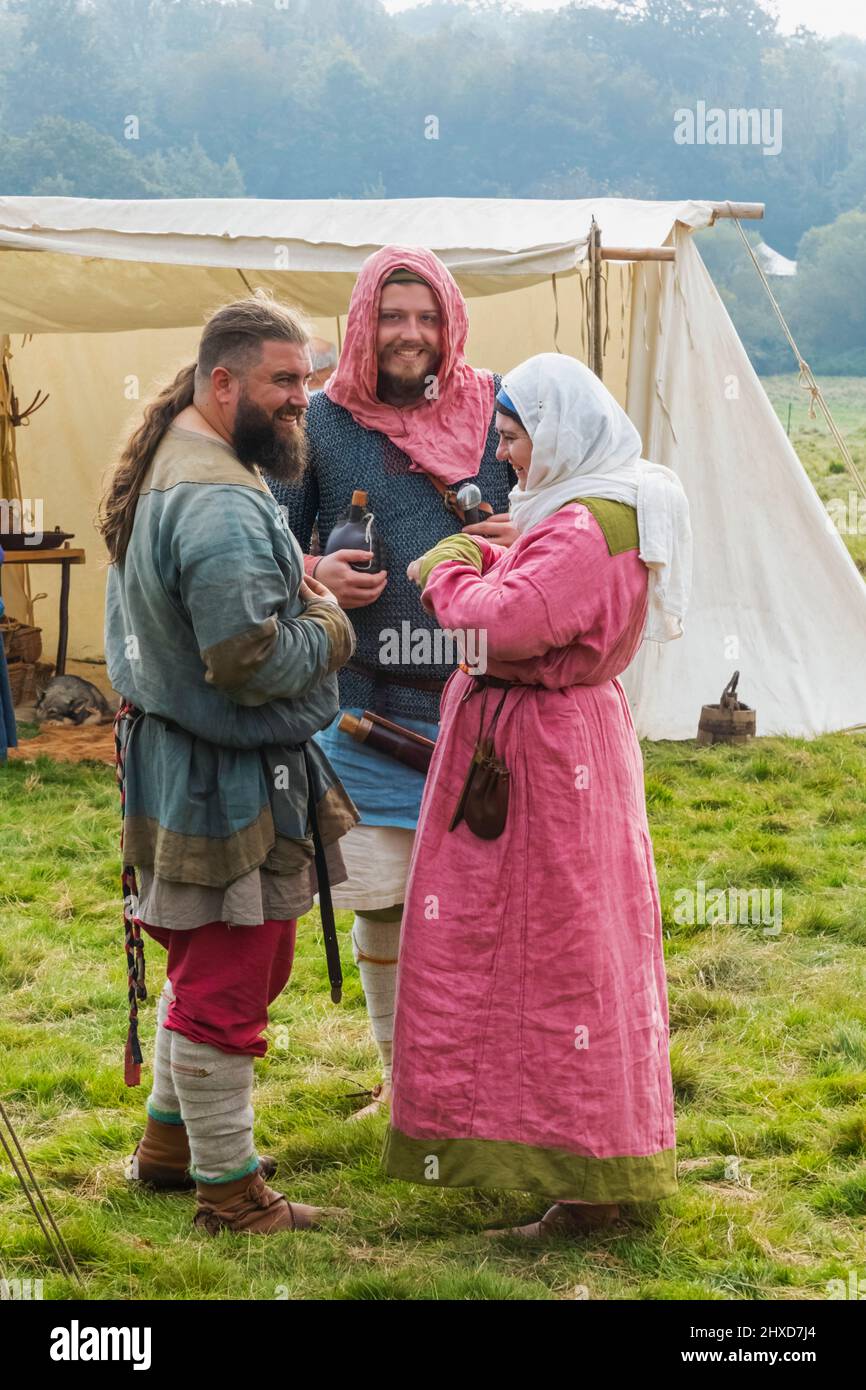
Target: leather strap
[
  {"x": 449, "y": 497},
  {"x": 326, "y": 906},
  {"x": 499, "y": 682}
]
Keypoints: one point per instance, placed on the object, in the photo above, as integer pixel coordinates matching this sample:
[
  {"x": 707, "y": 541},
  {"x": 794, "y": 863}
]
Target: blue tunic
[
  {"x": 411, "y": 517},
  {"x": 207, "y": 635}
]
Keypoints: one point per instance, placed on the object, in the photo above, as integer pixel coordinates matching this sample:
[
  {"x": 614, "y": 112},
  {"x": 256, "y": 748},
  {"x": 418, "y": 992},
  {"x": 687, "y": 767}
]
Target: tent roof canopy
[
  {"x": 104, "y": 265},
  {"x": 333, "y": 234}
]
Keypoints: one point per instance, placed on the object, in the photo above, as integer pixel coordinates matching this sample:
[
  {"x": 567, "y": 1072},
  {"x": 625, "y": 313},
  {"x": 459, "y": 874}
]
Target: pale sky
[{"x": 824, "y": 16}]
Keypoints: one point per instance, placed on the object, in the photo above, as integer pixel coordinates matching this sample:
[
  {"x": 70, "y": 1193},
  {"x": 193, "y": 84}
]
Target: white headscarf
[{"x": 584, "y": 445}]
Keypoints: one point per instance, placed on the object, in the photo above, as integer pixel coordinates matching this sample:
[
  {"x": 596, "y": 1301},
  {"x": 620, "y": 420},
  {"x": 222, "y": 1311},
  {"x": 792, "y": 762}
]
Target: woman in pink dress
[{"x": 531, "y": 1036}]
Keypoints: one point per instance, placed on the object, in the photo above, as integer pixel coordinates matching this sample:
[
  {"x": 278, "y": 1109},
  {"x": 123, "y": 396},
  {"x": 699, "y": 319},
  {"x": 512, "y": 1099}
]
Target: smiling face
[
  {"x": 408, "y": 342},
  {"x": 266, "y": 408},
  {"x": 278, "y": 382},
  {"x": 515, "y": 446}
]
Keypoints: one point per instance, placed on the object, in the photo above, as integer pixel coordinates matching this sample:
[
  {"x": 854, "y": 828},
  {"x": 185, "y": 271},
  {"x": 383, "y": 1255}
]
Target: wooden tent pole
[
  {"x": 741, "y": 210},
  {"x": 8, "y": 470},
  {"x": 638, "y": 253},
  {"x": 594, "y": 297},
  {"x": 10, "y": 480},
  {"x": 596, "y": 254}
]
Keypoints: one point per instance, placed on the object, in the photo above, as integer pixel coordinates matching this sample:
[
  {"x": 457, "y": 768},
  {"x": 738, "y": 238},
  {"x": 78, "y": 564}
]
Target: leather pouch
[{"x": 483, "y": 802}]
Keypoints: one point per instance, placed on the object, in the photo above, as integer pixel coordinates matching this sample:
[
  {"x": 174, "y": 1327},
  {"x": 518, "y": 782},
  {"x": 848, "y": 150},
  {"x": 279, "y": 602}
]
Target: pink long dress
[{"x": 531, "y": 1036}]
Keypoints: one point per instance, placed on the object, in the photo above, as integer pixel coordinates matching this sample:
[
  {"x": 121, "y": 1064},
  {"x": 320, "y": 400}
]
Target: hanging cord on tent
[
  {"x": 57, "y": 1245},
  {"x": 807, "y": 380},
  {"x": 659, "y": 300},
  {"x": 586, "y": 312},
  {"x": 582, "y": 311},
  {"x": 556, "y": 346},
  {"x": 643, "y": 276},
  {"x": 604, "y": 277}
]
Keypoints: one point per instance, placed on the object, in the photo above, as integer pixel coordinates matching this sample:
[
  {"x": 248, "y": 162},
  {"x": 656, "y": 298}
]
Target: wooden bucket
[
  {"x": 719, "y": 725},
  {"x": 730, "y": 721}
]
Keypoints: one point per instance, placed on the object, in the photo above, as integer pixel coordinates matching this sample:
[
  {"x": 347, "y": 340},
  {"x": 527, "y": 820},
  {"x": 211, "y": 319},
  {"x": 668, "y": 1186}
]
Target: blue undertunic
[{"x": 386, "y": 792}]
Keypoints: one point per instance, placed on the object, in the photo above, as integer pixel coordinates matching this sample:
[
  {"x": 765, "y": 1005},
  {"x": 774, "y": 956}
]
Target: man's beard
[
  {"x": 405, "y": 390},
  {"x": 259, "y": 440}
]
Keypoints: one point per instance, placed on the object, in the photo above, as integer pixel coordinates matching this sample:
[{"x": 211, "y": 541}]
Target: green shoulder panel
[{"x": 617, "y": 520}]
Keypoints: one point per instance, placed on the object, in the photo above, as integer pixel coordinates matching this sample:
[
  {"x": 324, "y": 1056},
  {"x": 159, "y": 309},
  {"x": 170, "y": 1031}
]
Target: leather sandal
[
  {"x": 381, "y": 1099},
  {"x": 564, "y": 1219}
]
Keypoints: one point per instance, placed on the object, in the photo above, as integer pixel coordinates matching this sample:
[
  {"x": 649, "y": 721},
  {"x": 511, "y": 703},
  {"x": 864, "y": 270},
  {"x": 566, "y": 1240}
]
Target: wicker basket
[
  {"x": 22, "y": 681},
  {"x": 20, "y": 641}
]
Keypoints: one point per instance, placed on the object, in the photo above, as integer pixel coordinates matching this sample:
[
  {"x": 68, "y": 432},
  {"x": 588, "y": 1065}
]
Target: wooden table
[{"x": 65, "y": 557}]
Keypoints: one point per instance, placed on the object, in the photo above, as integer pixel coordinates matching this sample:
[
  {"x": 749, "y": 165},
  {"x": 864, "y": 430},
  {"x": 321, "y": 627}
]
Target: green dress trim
[
  {"x": 502, "y": 1163},
  {"x": 617, "y": 520},
  {"x": 457, "y": 547}
]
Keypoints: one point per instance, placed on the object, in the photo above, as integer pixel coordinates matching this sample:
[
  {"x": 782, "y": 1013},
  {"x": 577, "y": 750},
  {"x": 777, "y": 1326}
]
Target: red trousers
[{"x": 223, "y": 980}]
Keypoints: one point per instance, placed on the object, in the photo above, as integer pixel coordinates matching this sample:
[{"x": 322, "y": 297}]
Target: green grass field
[
  {"x": 769, "y": 1059},
  {"x": 768, "y": 1050}
]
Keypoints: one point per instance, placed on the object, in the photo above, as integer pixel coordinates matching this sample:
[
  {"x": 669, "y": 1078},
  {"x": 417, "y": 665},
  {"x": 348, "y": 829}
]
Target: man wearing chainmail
[{"x": 404, "y": 418}]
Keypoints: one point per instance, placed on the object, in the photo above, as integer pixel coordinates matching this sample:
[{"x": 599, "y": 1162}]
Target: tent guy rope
[{"x": 807, "y": 380}]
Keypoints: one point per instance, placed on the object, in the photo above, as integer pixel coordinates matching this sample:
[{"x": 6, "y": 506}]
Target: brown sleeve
[
  {"x": 234, "y": 661},
  {"x": 339, "y": 629}
]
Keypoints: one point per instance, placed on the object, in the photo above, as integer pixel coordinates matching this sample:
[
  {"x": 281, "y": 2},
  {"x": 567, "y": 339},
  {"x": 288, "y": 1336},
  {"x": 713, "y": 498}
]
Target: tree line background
[{"x": 332, "y": 98}]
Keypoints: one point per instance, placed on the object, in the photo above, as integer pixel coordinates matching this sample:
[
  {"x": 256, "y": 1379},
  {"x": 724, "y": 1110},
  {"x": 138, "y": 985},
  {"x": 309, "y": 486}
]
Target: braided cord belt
[{"x": 133, "y": 942}]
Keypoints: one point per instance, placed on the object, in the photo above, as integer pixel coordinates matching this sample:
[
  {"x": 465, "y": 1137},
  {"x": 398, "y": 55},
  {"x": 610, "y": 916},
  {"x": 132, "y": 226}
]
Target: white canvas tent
[{"x": 114, "y": 292}]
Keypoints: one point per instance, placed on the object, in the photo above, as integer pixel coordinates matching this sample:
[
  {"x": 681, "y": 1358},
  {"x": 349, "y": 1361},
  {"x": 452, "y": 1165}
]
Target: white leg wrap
[
  {"x": 163, "y": 1099},
  {"x": 375, "y": 946},
  {"x": 216, "y": 1100}
]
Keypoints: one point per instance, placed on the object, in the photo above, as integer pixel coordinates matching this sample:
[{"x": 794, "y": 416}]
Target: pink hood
[{"x": 445, "y": 436}]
